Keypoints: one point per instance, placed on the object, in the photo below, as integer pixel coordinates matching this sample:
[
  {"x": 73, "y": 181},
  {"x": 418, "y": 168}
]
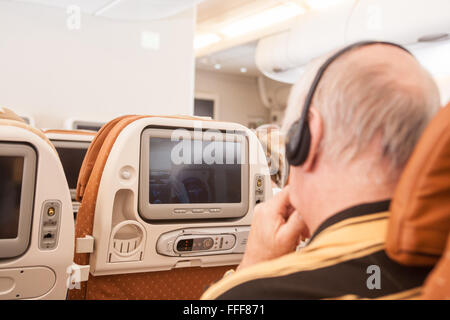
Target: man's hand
[{"x": 276, "y": 230}]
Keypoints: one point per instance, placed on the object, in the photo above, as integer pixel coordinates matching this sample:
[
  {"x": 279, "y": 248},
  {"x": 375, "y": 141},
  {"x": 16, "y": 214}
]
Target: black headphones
[{"x": 299, "y": 135}]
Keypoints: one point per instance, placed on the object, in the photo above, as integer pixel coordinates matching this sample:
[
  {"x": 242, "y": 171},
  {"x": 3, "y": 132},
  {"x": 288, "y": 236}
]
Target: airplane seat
[
  {"x": 72, "y": 146},
  {"x": 419, "y": 224},
  {"x": 138, "y": 249},
  {"x": 8, "y": 114},
  {"x": 36, "y": 224},
  {"x": 70, "y": 132},
  {"x": 437, "y": 285}
]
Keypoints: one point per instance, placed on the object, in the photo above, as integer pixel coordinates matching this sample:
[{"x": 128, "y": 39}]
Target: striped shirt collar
[{"x": 352, "y": 212}]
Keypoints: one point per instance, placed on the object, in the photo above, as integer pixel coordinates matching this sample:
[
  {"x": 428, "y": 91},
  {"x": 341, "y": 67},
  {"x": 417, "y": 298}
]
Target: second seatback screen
[{"x": 177, "y": 177}]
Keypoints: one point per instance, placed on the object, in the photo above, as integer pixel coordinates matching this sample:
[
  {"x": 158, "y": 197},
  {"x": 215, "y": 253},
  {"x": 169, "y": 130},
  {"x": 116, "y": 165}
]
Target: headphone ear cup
[{"x": 303, "y": 150}]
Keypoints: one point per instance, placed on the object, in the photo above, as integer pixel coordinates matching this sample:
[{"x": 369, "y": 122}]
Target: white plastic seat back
[
  {"x": 36, "y": 221},
  {"x": 139, "y": 250},
  {"x": 72, "y": 146}
]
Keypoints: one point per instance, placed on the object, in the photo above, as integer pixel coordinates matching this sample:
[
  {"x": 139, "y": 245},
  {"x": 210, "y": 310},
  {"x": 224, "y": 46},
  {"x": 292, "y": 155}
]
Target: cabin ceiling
[
  {"x": 228, "y": 30},
  {"x": 237, "y": 54},
  {"x": 209, "y": 9},
  {"x": 123, "y": 9},
  {"x": 239, "y": 60}
]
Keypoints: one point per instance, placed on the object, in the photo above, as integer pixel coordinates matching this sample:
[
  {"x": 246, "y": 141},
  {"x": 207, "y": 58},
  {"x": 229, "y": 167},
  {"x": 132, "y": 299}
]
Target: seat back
[
  {"x": 7, "y": 114},
  {"x": 108, "y": 188},
  {"x": 36, "y": 224},
  {"x": 72, "y": 146},
  {"x": 419, "y": 223}
]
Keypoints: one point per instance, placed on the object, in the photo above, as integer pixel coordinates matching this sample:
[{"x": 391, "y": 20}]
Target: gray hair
[{"x": 360, "y": 100}]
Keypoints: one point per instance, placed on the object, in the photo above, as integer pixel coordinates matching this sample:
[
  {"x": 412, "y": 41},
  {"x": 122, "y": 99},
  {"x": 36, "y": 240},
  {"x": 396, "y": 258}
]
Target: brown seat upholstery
[
  {"x": 23, "y": 125},
  {"x": 8, "y": 114},
  {"x": 187, "y": 283},
  {"x": 420, "y": 211},
  {"x": 10, "y": 118},
  {"x": 74, "y": 132},
  {"x": 437, "y": 285}
]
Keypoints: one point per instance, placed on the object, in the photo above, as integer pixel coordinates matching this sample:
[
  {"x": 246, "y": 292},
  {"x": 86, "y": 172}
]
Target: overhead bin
[
  {"x": 401, "y": 21},
  {"x": 282, "y": 56},
  {"x": 272, "y": 59},
  {"x": 318, "y": 31}
]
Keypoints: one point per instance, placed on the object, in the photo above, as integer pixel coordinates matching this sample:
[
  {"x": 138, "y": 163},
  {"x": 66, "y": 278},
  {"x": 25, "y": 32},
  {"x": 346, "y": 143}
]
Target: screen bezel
[
  {"x": 70, "y": 145},
  {"x": 14, "y": 247},
  {"x": 158, "y": 212}
]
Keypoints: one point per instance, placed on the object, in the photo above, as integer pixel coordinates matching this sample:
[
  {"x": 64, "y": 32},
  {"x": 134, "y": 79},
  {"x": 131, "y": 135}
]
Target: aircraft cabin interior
[{"x": 224, "y": 150}]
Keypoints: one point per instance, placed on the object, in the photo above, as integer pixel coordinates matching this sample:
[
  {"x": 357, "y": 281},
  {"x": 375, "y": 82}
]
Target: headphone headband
[{"x": 298, "y": 142}]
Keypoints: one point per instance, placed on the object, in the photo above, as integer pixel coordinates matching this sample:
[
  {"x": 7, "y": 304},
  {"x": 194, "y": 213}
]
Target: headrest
[
  {"x": 92, "y": 154},
  {"x": 101, "y": 147},
  {"x": 420, "y": 210},
  {"x": 23, "y": 125},
  {"x": 74, "y": 132},
  {"x": 8, "y": 114}
]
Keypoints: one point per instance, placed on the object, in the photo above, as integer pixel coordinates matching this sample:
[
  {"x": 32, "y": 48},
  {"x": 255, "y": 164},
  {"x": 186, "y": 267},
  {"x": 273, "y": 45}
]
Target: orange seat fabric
[{"x": 420, "y": 210}]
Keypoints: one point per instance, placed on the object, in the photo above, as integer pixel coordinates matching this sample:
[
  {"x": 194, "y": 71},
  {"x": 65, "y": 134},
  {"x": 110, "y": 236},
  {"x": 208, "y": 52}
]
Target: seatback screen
[
  {"x": 72, "y": 159},
  {"x": 11, "y": 176},
  {"x": 194, "y": 171}
]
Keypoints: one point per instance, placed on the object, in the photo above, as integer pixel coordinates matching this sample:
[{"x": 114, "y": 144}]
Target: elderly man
[{"x": 366, "y": 114}]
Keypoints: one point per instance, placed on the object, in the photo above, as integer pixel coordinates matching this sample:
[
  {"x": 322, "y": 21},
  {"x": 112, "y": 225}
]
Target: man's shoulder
[
  {"x": 347, "y": 258},
  {"x": 371, "y": 276},
  {"x": 313, "y": 257}
]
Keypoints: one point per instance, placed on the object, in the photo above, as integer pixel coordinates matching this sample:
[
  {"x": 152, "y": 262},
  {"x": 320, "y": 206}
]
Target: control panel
[
  {"x": 199, "y": 210},
  {"x": 203, "y": 241},
  {"x": 259, "y": 188},
  {"x": 50, "y": 221}
]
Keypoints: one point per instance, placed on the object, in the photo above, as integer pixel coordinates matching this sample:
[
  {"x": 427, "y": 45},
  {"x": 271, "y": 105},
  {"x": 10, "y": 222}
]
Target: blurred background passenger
[{"x": 273, "y": 143}]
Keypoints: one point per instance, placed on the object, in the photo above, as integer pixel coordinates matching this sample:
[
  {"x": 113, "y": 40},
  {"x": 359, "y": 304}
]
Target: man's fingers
[
  {"x": 281, "y": 204},
  {"x": 290, "y": 233},
  {"x": 304, "y": 234}
]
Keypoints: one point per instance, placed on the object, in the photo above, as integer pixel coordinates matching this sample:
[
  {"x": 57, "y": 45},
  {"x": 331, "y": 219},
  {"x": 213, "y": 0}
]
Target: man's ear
[{"x": 316, "y": 128}]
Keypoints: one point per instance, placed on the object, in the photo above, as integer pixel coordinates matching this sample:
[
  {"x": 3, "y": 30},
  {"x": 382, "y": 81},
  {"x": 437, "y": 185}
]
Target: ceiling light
[
  {"x": 321, "y": 4},
  {"x": 217, "y": 66},
  {"x": 243, "y": 69},
  {"x": 263, "y": 19},
  {"x": 106, "y": 7},
  {"x": 204, "y": 40}
]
